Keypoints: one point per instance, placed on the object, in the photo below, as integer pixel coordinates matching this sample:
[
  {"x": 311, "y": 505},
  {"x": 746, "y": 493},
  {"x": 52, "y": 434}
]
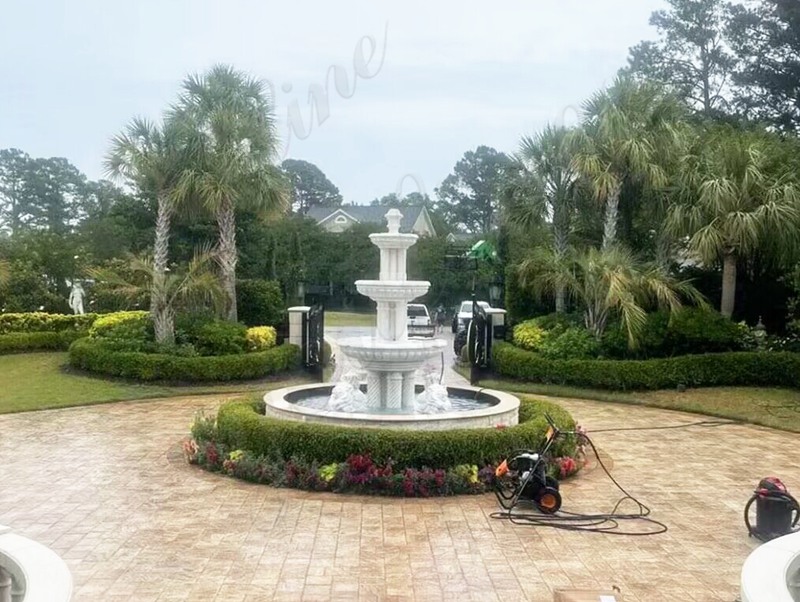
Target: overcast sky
[{"x": 432, "y": 79}]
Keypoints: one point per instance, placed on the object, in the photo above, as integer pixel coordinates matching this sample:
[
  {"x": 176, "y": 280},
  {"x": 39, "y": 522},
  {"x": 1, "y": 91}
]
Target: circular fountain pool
[{"x": 471, "y": 408}]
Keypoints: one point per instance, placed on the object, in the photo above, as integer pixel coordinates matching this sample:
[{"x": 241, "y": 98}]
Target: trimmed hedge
[
  {"x": 243, "y": 425},
  {"x": 709, "y": 370},
  {"x": 38, "y": 321},
  {"x": 94, "y": 356},
  {"x": 23, "y": 342}
]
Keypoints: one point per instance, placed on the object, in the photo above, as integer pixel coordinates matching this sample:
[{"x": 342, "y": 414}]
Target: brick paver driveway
[{"x": 105, "y": 487}]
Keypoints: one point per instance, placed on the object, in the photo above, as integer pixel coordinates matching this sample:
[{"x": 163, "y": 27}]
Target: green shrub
[
  {"x": 96, "y": 355},
  {"x": 242, "y": 425},
  {"x": 694, "y": 330},
  {"x": 689, "y": 331},
  {"x": 259, "y": 302},
  {"x": 707, "y": 370},
  {"x": 569, "y": 343},
  {"x": 219, "y": 337},
  {"x": 529, "y": 335},
  {"x": 123, "y": 326},
  {"x": 43, "y": 322},
  {"x": 22, "y": 342},
  {"x": 261, "y": 338}
]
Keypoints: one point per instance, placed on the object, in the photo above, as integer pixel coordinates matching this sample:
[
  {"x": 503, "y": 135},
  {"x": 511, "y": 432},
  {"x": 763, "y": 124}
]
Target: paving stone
[{"x": 104, "y": 487}]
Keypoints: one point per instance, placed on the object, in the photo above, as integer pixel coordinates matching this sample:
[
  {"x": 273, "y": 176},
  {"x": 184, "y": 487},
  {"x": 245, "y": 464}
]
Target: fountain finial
[{"x": 393, "y": 217}]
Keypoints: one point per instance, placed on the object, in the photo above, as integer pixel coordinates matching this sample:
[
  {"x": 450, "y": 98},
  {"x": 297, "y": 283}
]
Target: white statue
[
  {"x": 76, "y": 296},
  {"x": 347, "y": 395},
  {"x": 434, "y": 399}
]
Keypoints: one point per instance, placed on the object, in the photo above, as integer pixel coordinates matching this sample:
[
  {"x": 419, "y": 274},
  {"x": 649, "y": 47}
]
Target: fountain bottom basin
[{"x": 473, "y": 408}]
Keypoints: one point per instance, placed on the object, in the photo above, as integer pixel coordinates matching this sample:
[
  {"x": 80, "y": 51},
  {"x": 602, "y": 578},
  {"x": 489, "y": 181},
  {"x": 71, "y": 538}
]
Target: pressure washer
[
  {"x": 524, "y": 477},
  {"x": 522, "y": 480},
  {"x": 777, "y": 512}
]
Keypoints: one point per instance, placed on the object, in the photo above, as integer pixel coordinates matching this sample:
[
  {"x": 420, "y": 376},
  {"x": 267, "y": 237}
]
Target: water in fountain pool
[{"x": 457, "y": 404}]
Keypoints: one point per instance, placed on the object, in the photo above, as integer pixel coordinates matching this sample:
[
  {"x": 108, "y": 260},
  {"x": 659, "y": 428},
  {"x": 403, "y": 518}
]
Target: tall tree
[
  {"x": 629, "y": 132},
  {"x": 14, "y": 191},
  {"x": 735, "y": 201},
  {"x": 765, "y": 36},
  {"x": 691, "y": 56},
  {"x": 469, "y": 197},
  {"x": 150, "y": 158},
  {"x": 57, "y": 190},
  {"x": 310, "y": 186},
  {"x": 547, "y": 190},
  {"x": 412, "y": 199},
  {"x": 232, "y": 118}
]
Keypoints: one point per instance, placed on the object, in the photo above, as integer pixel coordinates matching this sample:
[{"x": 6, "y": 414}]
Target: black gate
[
  {"x": 314, "y": 340},
  {"x": 479, "y": 341}
]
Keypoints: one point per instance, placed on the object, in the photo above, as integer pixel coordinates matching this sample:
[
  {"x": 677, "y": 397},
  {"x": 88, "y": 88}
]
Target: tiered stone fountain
[{"x": 390, "y": 360}]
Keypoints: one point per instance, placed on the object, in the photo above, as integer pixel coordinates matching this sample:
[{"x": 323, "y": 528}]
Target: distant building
[{"x": 338, "y": 219}]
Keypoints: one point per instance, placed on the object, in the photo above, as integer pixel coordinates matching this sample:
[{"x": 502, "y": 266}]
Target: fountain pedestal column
[{"x": 408, "y": 391}]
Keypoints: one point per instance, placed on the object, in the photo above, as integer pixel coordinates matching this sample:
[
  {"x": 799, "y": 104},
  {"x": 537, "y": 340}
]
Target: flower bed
[
  {"x": 95, "y": 355},
  {"x": 707, "y": 370},
  {"x": 244, "y": 443}
]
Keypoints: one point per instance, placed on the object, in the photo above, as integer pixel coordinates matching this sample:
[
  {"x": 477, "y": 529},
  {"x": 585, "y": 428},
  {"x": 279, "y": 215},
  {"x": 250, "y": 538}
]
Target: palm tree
[
  {"x": 611, "y": 281},
  {"x": 735, "y": 198},
  {"x": 629, "y": 132},
  {"x": 233, "y": 165},
  {"x": 194, "y": 286},
  {"x": 547, "y": 161},
  {"x": 149, "y": 158}
]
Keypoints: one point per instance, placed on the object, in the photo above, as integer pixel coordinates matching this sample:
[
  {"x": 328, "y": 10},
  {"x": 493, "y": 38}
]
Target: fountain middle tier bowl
[
  {"x": 392, "y": 290},
  {"x": 391, "y": 356}
]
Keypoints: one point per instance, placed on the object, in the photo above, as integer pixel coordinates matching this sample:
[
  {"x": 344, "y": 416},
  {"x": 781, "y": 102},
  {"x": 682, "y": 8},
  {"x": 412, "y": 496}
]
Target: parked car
[
  {"x": 463, "y": 314},
  {"x": 419, "y": 321}
]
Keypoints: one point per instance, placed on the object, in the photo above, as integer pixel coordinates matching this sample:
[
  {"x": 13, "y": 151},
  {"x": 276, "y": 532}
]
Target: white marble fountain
[{"x": 391, "y": 360}]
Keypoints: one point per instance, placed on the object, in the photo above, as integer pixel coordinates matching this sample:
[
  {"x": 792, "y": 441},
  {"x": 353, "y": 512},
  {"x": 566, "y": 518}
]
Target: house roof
[{"x": 367, "y": 214}]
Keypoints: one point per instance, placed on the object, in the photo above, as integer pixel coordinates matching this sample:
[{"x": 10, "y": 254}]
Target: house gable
[
  {"x": 338, "y": 221},
  {"x": 423, "y": 224}
]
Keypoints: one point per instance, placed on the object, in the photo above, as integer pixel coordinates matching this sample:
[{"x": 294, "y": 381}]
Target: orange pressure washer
[{"x": 524, "y": 477}]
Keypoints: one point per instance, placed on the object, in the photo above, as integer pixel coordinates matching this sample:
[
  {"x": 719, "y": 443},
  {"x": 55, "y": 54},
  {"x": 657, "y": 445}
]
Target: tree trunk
[
  {"x": 159, "y": 306},
  {"x": 164, "y": 327},
  {"x": 611, "y": 217},
  {"x": 226, "y": 222},
  {"x": 560, "y": 245},
  {"x": 728, "y": 284}
]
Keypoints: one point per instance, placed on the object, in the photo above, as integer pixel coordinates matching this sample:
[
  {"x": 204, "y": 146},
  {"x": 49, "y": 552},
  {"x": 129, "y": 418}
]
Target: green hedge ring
[
  {"x": 781, "y": 369},
  {"x": 243, "y": 425},
  {"x": 94, "y": 356}
]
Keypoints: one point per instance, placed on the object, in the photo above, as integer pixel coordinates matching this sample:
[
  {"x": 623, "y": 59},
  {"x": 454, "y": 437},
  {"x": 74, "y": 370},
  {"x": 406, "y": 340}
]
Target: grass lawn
[
  {"x": 772, "y": 407},
  {"x": 38, "y": 381},
  {"x": 343, "y": 318}
]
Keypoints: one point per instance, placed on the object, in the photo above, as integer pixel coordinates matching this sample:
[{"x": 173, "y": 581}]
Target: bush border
[
  {"x": 24, "y": 342},
  {"x": 94, "y": 356},
  {"x": 740, "y": 368},
  {"x": 243, "y": 425}
]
